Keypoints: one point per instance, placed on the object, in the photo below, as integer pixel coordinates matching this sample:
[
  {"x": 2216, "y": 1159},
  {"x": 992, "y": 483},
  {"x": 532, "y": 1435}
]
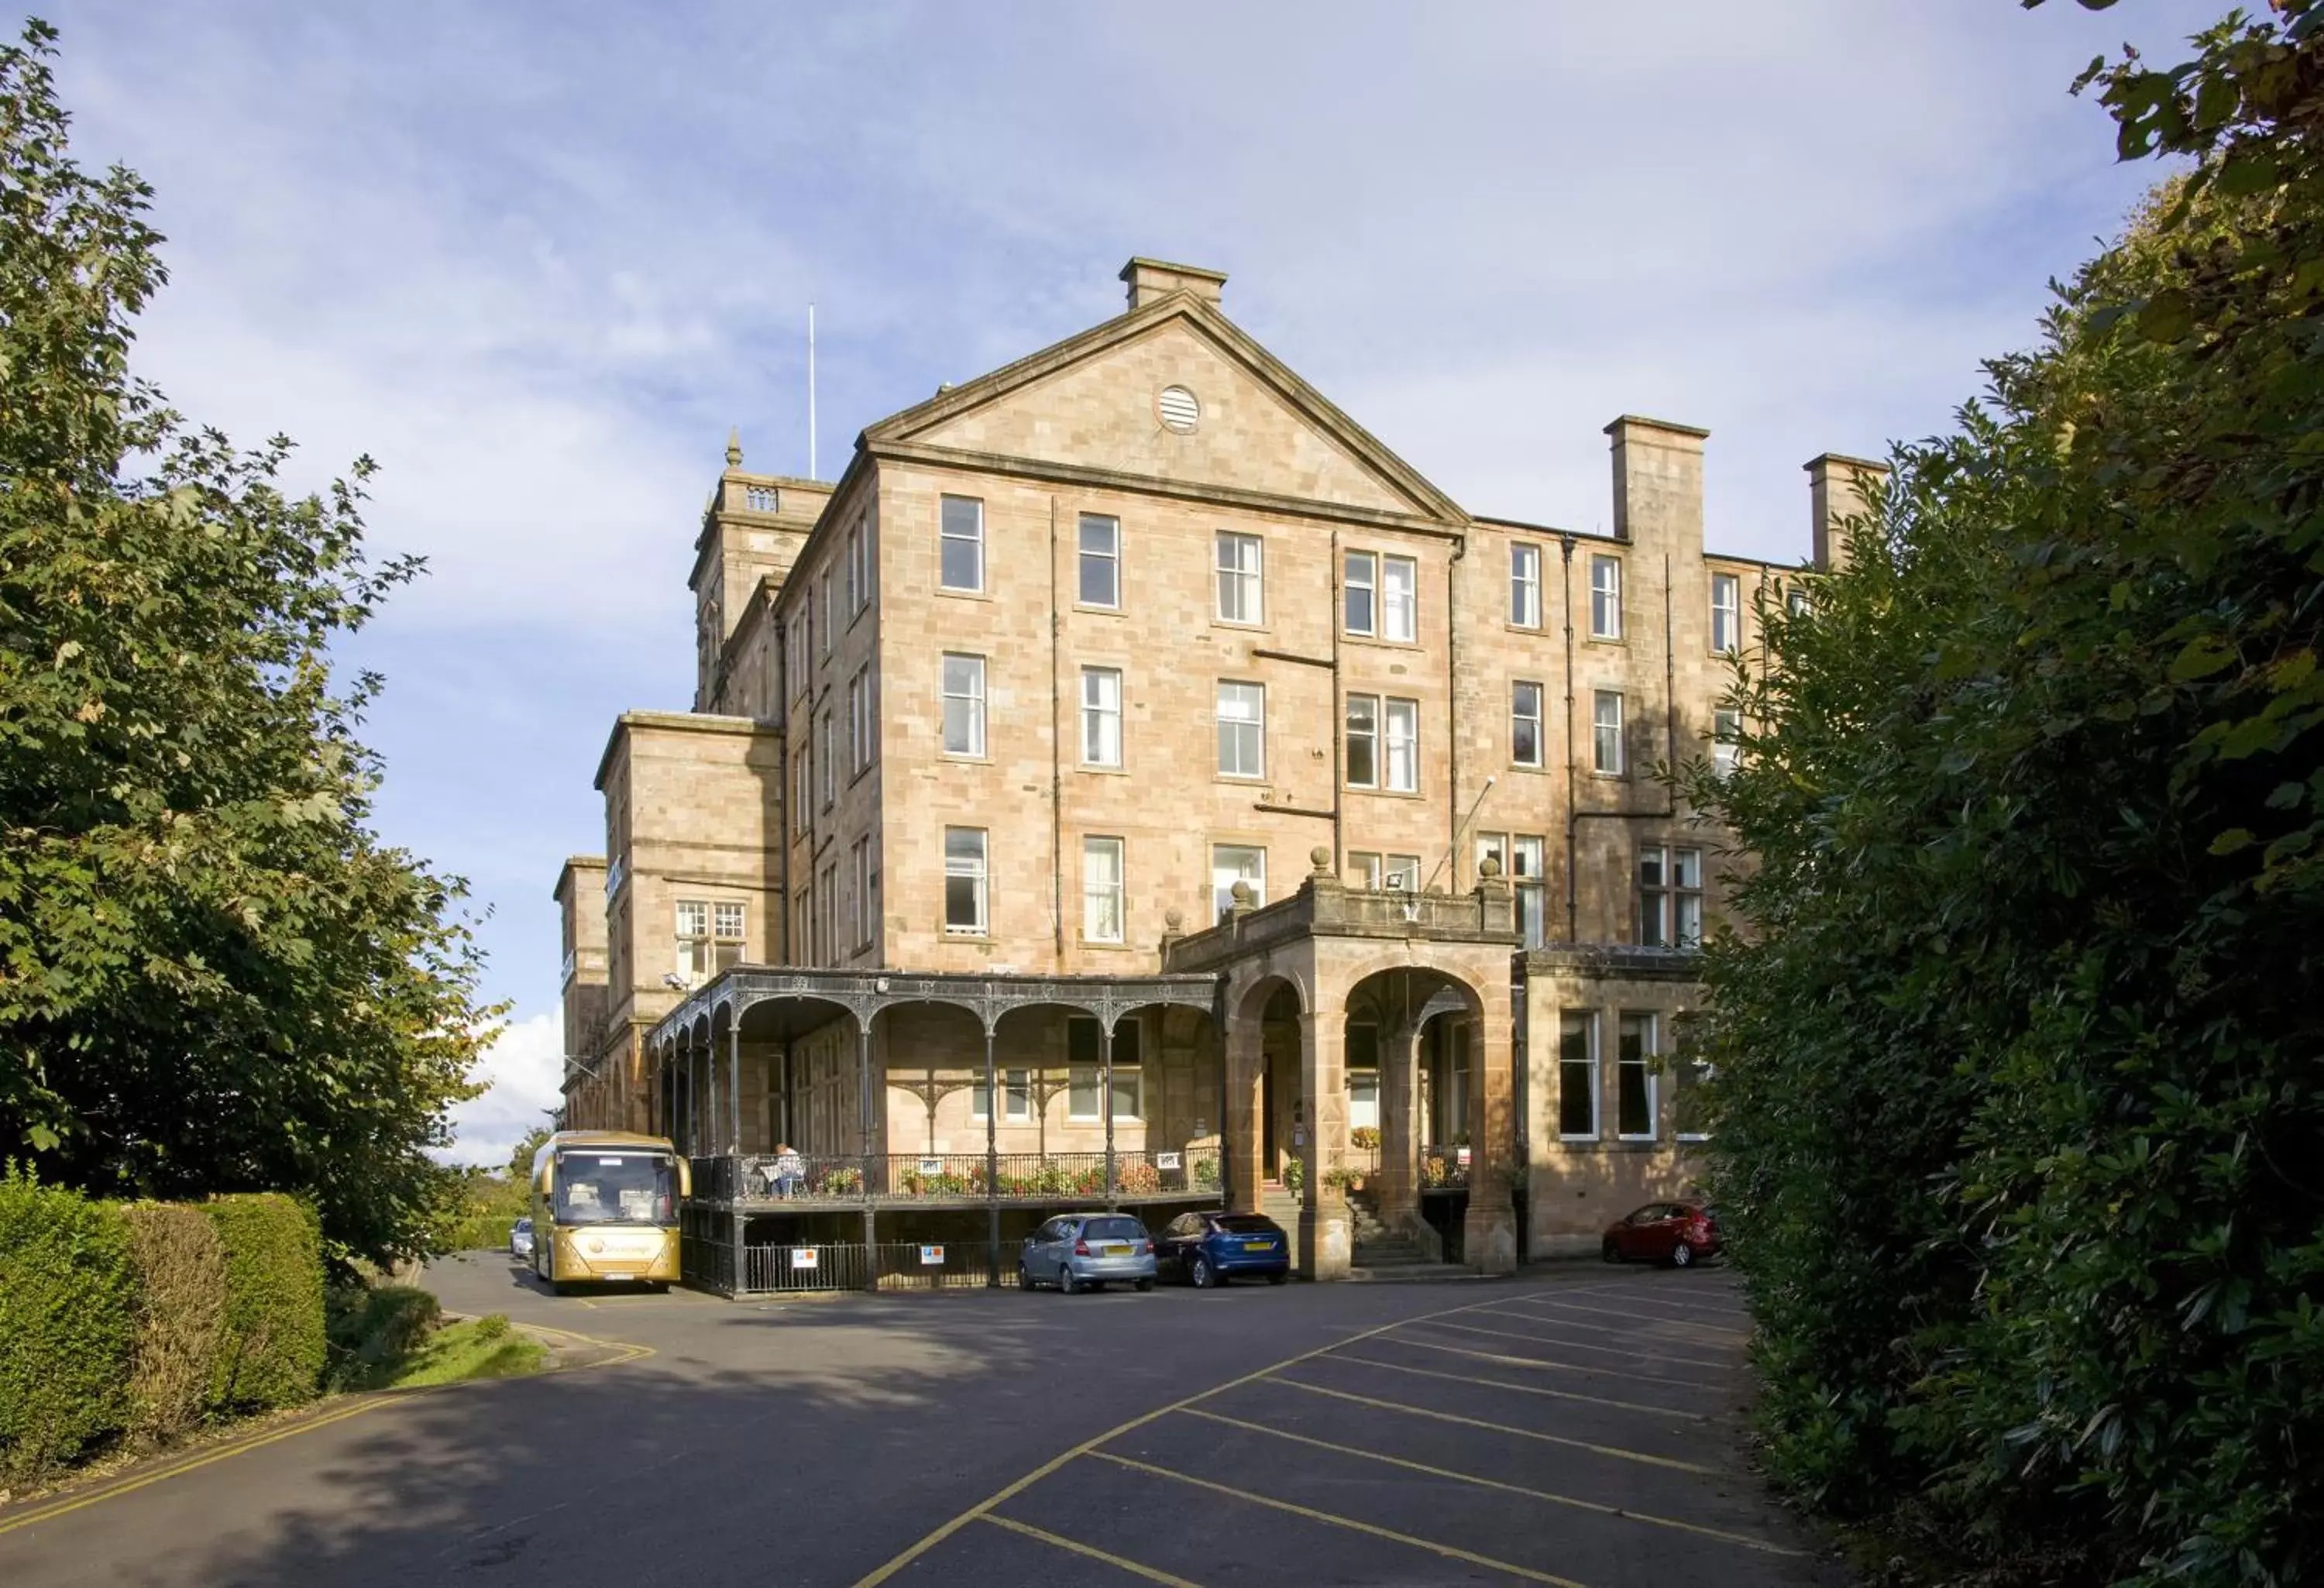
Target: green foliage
[
  {"x": 216, "y": 978},
  {"x": 2018, "y": 1104},
  {"x": 484, "y": 1348},
  {"x": 273, "y": 1351},
  {"x": 68, "y": 1321},
  {"x": 480, "y": 1233},
  {"x": 179, "y": 1264},
  {"x": 493, "y": 1325},
  {"x": 374, "y": 1330}
]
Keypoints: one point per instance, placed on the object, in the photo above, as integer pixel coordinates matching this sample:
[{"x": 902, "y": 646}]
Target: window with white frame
[
  {"x": 829, "y": 625},
  {"x": 709, "y": 938},
  {"x": 1525, "y": 724},
  {"x": 1577, "y": 1075},
  {"x": 1495, "y": 847},
  {"x": 1359, "y": 593},
  {"x": 1726, "y": 614},
  {"x": 1726, "y": 742},
  {"x": 963, "y": 705},
  {"x": 1689, "y": 1073},
  {"x": 1401, "y": 873},
  {"x": 1605, "y": 597},
  {"x": 1101, "y": 716},
  {"x": 1241, "y": 595},
  {"x": 1103, "y": 892},
  {"x": 826, "y": 916},
  {"x": 1016, "y": 1097},
  {"x": 1528, "y": 852},
  {"x": 1525, "y": 586},
  {"x": 860, "y": 560},
  {"x": 802, "y": 784},
  {"x": 1236, "y": 862},
  {"x": 827, "y": 760},
  {"x": 1085, "y": 1063},
  {"x": 1365, "y": 869},
  {"x": 1403, "y": 722},
  {"x": 759, "y": 498},
  {"x": 1606, "y": 745},
  {"x": 1399, "y": 599},
  {"x": 859, "y": 723},
  {"x": 1670, "y": 897},
  {"x": 965, "y": 881},
  {"x": 802, "y": 911},
  {"x": 1101, "y": 561},
  {"x": 865, "y": 909},
  {"x": 959, "y": 543},
  {"x": 799, "y": 648},
  {"x": 1795, "y": 601},
  {"x": 1634, "y": 1076},
  {"x": 1242, "y": 729},
  {"x": 1362, "y": 740}
]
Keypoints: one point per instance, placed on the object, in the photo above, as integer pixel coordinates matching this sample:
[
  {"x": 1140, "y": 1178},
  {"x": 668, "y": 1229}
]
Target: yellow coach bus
[{"x": 604, "y": 1209}]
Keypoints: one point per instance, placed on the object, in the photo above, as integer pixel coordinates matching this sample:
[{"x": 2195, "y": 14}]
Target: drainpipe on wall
[
  {"x": 1452, "y": 703},
  {"x": 1339, "y": 720},
  {"x": 1056, "y": 759},
  {"x": 1572, "y": 825}
]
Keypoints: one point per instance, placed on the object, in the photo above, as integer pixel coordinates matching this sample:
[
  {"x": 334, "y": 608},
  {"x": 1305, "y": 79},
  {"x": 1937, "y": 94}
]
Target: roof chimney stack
[
  {"x": 1150, "y": 279},
  {"x": 1836, "y": 483}
]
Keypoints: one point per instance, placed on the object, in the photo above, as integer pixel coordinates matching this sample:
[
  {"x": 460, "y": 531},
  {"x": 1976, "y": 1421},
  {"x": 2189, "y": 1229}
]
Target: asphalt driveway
[{"x": 1574, "y": 1426}]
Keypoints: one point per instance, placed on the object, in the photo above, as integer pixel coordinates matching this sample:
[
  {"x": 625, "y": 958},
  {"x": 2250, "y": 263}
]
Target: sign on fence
[
  {"x": 803, "y": 1257},
  {"x": 931, "y": 1257},
  {"x": 931, "y": 1166},
  {"x": 1464, "y": 1158},
  {"x": 1169, "y": 1161}
]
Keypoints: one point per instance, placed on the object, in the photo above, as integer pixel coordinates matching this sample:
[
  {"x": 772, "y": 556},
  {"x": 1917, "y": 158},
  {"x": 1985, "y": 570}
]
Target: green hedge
[
  {"x": 68, "y": 1322},
  {"x": 273, "y": 1348},
  {"x": 375, "y": 1330},
  {"x": 179, "y": 1261},
  {"x": 483, "y": 1232}
]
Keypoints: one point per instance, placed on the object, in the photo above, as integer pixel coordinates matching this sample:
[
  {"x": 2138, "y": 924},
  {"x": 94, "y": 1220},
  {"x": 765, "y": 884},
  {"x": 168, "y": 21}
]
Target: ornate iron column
[{"x": 991, "y": 1163}]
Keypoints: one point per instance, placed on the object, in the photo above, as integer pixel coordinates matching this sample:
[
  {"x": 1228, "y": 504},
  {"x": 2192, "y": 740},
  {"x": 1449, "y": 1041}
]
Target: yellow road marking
[
  {"x": 1651, "y": 1356},
  {"x": 1638, "y": 1319},
  {"x": 1446, "y": 1417},
  {"x": 1450, "y": 1552},
  {"x": 1078, "y": 1547},
  {"x": 373, "y": 1402},
  {"x": 1744, "y": 1539},
  {"x": 1009, "y": 1491},
  {"x": 1536, "y": 1362}
]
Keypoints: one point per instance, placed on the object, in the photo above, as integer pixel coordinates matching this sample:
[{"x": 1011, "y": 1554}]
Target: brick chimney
[
  {"x": 1835, "y": 494},
  {"x": 1150, "y": 279},
  {"x": 1658, "y": 484}
]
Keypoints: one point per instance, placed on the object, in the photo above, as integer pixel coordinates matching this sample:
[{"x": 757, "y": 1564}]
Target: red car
[{"x": 1680, "y": 1233}]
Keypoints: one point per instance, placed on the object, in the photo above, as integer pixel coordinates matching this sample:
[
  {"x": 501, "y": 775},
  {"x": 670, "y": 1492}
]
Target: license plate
[
  {"x": 1258, "y": 1246},
  {"x": 1117, "y": 1252}
]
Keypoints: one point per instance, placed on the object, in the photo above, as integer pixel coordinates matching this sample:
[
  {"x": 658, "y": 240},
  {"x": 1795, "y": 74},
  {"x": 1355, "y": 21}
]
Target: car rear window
[
  {"x": 1247, "y": 1224},
  {"x": 1114, "y": 1230}
]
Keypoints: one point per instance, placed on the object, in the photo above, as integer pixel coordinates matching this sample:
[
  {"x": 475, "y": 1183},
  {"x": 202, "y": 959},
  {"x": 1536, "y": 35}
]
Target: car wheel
[
  {"x": 1681, "y": 1256},
  {"x": 1608, "y": 1250},
  {"x": 1067, "y": 1279},
  {"x": 1024, "y": 1278},
  {"x": 1144, "y": 1285},
  {"x": 1199, "y": 1270},
  {"x": 1278, "y": 1279}
]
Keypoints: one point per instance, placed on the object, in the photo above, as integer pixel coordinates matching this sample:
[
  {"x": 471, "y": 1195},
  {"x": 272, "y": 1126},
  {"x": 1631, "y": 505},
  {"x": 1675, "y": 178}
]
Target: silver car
[
  {"x": 1082, "y": 1250},
  {"x": 521, "y": 1240}
]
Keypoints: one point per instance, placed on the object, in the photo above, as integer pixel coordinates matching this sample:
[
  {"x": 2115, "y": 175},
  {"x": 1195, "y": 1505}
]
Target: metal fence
[
  {"x": 894, "y": 1265},
  {"x": 841, "y": 1266}
]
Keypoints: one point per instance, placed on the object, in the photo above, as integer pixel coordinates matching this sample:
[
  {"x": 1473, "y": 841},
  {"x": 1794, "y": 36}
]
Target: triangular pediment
[{"x": 1095, "y": 402}]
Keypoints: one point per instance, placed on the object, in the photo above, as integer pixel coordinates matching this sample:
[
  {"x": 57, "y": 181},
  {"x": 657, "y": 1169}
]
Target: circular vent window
[{"x": 1178, "y": 408}]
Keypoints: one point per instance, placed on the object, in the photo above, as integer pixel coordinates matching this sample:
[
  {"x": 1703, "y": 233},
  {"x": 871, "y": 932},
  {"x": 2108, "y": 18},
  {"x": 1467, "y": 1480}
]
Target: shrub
[
  {"x": 480, "y": 1233},
  {"x": 492, "y": 1326},
  {"x": 67, "y": 1319},
  {"x": 374, "y": 1330},
  {"x": 273, "y": 1351},
  {"x": 180, "y": 1262}
]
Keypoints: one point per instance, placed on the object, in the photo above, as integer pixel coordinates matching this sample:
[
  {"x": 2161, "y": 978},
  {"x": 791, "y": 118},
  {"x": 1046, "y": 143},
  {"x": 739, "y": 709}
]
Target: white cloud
[{"x": 522, "y": 1071}]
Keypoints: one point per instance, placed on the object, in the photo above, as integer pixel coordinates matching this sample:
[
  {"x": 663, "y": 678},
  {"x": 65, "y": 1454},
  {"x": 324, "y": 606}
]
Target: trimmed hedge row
[
  {"x": 135, "y": 1322},
  {"x": 481, "y": 1232}
]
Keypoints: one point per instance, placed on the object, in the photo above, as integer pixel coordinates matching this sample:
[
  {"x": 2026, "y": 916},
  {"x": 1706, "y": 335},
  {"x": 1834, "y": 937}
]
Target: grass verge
[{"x": 477, "y": 1348}]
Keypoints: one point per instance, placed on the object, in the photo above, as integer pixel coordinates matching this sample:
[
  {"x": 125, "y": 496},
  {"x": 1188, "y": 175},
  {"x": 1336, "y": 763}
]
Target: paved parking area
[
  {"x": 1574, "y": 1433},
  {"x": 1580, "y": 1425}
]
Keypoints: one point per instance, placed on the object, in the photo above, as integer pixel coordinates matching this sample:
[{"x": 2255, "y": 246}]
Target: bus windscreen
[{"x": 615, "y": 1189}]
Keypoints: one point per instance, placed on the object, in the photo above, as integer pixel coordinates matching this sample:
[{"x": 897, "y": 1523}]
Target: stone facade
[{"x": 1072, "y": 653}]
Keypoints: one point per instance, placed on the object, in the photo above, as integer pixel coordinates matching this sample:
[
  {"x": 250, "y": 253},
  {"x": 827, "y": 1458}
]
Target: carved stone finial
[
  {"x": 1241, "y": 895},
  {"x": 734, "y": 448},
  {"x": 1320, "y": 859},
  {"x": 1490, "y": 867},
  {"x": 1172, "y": 919}
]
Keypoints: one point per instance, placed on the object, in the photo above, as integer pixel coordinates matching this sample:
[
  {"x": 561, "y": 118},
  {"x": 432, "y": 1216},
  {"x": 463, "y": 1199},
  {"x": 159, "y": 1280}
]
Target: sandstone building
[{"x": 1131, "y": 780}]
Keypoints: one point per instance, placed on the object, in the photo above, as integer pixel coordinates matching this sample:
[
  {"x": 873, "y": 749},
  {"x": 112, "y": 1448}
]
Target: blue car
[{"x": 1212, "y": 1248}]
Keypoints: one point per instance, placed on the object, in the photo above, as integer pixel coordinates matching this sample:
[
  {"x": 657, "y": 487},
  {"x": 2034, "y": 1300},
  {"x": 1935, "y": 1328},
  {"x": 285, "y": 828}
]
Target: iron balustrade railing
[
  {"x": 767, "y": 1180},
  {"x": 1443, "y": 1168},
  {"x": 841, "y": 1266}
]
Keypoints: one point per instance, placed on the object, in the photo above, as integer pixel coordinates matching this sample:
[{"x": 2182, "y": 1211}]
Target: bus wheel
[{"x": 557, "y": 1287}]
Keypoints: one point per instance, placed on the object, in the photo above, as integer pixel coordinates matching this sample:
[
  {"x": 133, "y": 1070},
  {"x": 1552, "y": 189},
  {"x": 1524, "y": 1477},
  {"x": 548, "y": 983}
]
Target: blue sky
[{"x": 537, "y": 260}]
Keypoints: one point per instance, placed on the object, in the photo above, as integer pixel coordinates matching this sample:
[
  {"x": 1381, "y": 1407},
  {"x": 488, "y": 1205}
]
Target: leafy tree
[
  {"x": 2020, "y": 1097},
  {"x": 520, "y": 1163},
  {"x": 213, "y": 976}
]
